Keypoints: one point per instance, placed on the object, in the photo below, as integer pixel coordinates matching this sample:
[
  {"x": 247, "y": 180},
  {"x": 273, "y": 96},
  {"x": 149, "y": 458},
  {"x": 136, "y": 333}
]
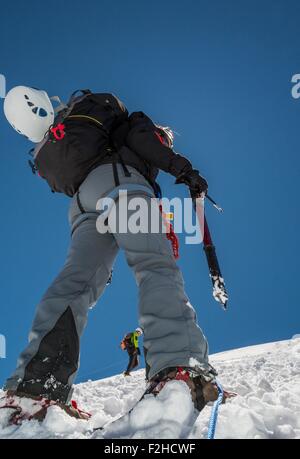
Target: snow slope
[{"x": 266, "y": 378}]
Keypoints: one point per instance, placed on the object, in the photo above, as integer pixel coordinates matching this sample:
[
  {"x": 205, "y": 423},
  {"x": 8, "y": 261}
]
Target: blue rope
[{"x": 214, "y": 413}]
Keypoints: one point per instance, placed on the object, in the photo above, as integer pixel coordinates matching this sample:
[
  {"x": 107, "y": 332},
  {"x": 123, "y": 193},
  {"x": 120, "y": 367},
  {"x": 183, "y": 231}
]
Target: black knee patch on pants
[
  {"x": 48, "y": 372},
  {"x": 133, "y": 361},
  {"x": 146, "y": 363}
]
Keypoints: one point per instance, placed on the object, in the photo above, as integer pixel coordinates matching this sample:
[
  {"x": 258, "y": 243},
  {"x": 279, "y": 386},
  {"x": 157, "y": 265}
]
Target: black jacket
[{"x": 143, "y": 141}]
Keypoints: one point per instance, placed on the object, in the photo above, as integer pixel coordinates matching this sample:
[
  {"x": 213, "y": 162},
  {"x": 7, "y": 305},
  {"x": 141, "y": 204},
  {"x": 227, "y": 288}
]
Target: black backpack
[{"x": 83, "y": 134}]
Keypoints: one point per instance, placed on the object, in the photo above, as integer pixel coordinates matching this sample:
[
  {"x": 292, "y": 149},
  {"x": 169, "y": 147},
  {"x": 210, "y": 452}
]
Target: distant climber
[{"x": 130, "y": 343}]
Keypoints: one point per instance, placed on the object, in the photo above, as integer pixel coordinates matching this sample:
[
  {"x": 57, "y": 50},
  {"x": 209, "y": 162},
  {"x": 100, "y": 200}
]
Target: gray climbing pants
[{"x": 172, "y": 337}]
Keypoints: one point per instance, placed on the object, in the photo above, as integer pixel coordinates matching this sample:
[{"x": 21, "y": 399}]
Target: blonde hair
[{"x": 168, "y": 134}]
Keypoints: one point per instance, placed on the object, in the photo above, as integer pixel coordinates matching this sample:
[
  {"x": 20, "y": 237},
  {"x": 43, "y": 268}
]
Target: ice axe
[{"x": 219, "y": 291}]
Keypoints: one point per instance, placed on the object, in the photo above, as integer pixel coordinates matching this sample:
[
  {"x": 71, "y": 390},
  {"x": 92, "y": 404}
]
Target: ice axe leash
[{"x": 219, "y": 291}]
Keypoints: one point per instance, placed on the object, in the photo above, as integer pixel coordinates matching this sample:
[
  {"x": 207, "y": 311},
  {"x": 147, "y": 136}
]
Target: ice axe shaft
[{"x": 219, "y": 290}]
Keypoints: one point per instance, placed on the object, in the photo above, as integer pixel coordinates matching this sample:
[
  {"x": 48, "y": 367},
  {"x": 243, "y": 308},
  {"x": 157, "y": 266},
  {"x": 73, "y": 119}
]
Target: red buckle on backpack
[{"x": 58, "y": 131}]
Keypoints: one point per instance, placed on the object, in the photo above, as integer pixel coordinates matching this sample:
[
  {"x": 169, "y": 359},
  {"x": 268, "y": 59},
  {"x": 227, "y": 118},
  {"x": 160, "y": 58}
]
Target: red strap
[
  {"x": 182, "y": 375},
  {"x": 171, "y": 235},
  {"x": 75, "y": 406},
  {"x": 207, "y": 237}
]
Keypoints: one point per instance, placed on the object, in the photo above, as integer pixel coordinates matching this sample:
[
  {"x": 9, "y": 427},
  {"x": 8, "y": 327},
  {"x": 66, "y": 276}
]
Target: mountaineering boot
[
  {"x": 18, "y": 407},
  {"x": 202, "y": 384},
  {"x": 169, "y": 406}
]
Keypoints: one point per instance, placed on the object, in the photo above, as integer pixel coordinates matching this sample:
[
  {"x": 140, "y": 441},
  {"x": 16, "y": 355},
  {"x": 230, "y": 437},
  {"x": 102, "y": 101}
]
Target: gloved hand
[{"x": 196, "y": 183}]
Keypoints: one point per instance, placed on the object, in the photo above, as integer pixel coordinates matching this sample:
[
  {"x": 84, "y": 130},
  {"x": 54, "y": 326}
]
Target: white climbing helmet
[
  {"x": 139, "y": 330},
  {"x": 29, "y": 111}
]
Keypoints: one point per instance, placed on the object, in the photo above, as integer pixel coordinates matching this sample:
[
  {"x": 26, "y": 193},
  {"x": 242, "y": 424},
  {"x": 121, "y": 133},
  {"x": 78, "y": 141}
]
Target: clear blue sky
[{"x": 217, "y": 72}]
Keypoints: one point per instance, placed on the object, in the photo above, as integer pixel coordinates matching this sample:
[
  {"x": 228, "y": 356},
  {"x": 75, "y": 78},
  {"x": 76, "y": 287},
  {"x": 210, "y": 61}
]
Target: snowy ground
[{"x": 266, "y": 378}]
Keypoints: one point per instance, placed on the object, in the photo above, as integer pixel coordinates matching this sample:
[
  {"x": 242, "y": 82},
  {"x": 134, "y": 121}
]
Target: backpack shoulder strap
[
  {"x": 62, "y": 114},
  {"x": 74, "y": 97}
]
